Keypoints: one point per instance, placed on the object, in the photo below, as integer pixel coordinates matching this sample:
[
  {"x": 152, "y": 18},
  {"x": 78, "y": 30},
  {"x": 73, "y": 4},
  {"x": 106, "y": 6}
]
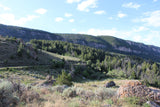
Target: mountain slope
[
  {"x": 14, "y": 52},
  {"x": 107, "y": 43}
]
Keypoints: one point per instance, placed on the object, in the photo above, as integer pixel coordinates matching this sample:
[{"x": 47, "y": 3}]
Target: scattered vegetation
[
  {"x": 99, "y": 61},
  {"x": 77, "y": 75}
]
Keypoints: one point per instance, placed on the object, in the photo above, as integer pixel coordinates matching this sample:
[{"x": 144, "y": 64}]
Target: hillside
[
  {"x": 101, "y": 62},
  {"x": 28, "y": 56},
  {"x": 107, "y": 43}
]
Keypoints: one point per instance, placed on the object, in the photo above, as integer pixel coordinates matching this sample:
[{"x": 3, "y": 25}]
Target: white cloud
[
  {"x": 72, "y": 1},
  {"x": 131, "y": 5},
  {"x": 10, "y": 19},
  {"x": 151, "y": 37},
  {"x": 110, "y": 18},
  {"x": 141, "y": 28},
  {"x": 59, "y": 19},
  {"x": 100, "y": 12},
  {"x": 121, "y": 15},
  {"x": 71, "y": 20},
  {"x": 41, "y": 11},
  {"x": 73, "y": 30},
  {"x": 137, "y": 38},
  {"x": 145, "y": 35},
  {"x": 155, "y": 0},
  {"x": 86, "y": 5},
  {"x": 152, "y": 18},
  {"x": 68, "y": 15},
  {"x": 4, "y": 7}
]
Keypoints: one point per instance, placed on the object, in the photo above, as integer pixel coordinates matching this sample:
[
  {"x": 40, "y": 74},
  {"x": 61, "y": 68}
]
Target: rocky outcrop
[
  {"x": 125, "y": 49},
  {"x": 136, "y": 89}
]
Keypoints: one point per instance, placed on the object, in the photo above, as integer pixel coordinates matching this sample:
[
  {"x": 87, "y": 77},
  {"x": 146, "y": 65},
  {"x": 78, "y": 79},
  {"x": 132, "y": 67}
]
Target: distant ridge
[{"x": 107, "y": 43}]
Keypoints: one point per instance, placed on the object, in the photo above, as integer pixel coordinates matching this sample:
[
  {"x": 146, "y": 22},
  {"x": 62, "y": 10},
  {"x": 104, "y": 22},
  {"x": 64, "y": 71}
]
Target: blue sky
[{"x": 136, "y": 20}]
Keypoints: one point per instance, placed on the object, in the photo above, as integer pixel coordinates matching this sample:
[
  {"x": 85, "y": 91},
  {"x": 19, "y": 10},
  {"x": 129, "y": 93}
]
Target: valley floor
[{"x": 86, "y": 93}]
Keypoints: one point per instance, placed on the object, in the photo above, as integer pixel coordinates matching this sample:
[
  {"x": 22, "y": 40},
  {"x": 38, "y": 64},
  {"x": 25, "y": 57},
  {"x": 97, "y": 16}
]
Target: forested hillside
[
  {"x": 107, "y": 43},
  {"x": 115, "y": 65}
]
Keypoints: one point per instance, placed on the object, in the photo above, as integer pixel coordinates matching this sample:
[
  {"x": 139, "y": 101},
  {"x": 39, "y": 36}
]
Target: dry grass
[
  {"x": 90, "y": 85},
  {"x": 57, "y": 56},
  {"x": 51, "y": 98}
]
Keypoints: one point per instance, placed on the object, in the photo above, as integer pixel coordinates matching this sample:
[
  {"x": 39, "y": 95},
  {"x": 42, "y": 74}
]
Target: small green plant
[
  {"x": 20, "y": 50},
  {"x": 64, "y": 79},
  {"x": 146, "y": 105},
  {"x": 133, "y": 100},
  {"x": 133, "y": 75},
  {"x": 5, "y": 61},
  {"x": 28, "y": 53}
]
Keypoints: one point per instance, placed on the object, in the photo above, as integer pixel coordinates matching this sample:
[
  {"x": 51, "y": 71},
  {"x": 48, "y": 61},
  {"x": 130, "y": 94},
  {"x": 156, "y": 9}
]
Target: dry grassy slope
[{"x": 9, "y": 57}]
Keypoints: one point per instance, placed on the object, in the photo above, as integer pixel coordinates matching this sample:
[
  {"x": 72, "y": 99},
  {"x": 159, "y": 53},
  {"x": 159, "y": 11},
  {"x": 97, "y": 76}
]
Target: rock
[
  {"x": 110, "y": 84},
  {"x": 136, "y": 89},
  {"x": 152, "y": 104}
]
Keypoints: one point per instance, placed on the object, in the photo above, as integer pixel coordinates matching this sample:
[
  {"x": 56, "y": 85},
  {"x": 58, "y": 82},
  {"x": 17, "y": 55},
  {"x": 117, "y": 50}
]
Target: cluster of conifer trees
[{"x": 100, "y": 61}]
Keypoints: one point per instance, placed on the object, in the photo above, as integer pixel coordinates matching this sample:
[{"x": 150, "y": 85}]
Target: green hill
[
  {"x": 107, "y": 43},
  {"x": 28, "y": 56}
]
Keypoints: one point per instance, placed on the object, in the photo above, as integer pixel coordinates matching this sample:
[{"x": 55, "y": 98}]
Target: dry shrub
[
  {"x": 74, "y": 91},
  {"x": 7, "y": 99},
  {"x": 44, "y": 91},
  {"x": 70, "y": 92},
  {"x": 104, "y": 93},
  {"x": 59, "y": 88},
  {"x": 48, "y": 104},
  {"x": 25, "y": 93},
  {"x": 89, "y": 95},
  {"x": 29, "y": 96}
]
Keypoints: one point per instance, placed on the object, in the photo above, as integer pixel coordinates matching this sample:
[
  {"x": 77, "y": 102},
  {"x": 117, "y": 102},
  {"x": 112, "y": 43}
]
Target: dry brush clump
[
  {"x": 7, "y": 98},
  {"x": 29, "y": 96},
  {"x": 100, "y": 94},
  {"x": 12, "y": 93},
  {"x": 59, "y": 88},
  {"x": 103, "y": 93}
]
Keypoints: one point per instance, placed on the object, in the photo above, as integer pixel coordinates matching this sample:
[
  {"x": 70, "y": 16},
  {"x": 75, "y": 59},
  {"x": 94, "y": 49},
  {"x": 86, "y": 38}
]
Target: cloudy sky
[{"x": 136, "y": 20}]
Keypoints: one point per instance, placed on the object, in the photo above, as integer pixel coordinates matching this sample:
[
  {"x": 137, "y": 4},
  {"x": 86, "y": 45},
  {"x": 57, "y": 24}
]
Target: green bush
[
  {"x": 57, "y": 64},
  {"x": 64, "y": 79},
  {"x": 20, "y": 50}
]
